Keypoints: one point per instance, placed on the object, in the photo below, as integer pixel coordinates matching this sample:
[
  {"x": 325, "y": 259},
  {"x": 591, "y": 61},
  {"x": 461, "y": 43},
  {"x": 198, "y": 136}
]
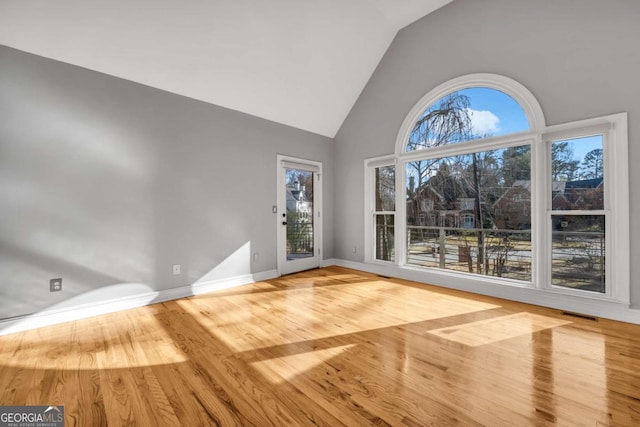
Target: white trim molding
[
  {"x": 53, "y": 317},
  {"x": 329, "y": 262}
]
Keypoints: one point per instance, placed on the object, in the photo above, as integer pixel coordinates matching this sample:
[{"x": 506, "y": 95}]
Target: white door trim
[{"x": 284, "y": 266}]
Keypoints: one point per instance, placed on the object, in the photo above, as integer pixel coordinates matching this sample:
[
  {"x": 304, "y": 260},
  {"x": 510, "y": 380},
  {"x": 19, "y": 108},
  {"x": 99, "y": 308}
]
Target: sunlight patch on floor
[
  {"x": 145, "y": 344},
  {"x": 497, "y": 329},
  {"x": 250, "y": 321},
  {"x": 283, "y": 369}
]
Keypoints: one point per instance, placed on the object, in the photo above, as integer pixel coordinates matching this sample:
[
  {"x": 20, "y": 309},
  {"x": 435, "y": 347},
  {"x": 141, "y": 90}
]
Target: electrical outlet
[
  {"x": 55, "y": 285},
  {"x": 256, "y": 256},
  {"x": 176, "y": 269},
  {"x": 354, "y": 249}
]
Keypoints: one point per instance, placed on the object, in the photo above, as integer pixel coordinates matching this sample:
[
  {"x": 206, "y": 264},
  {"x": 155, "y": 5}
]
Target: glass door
[{"x": 298, "y": 215}]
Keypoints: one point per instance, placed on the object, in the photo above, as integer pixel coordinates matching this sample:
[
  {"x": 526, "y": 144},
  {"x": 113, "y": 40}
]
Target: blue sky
[
  {"x": 582, "y": 146},
  {"x": 496, "y": 113},
  {"x": 511, "y": 117}
]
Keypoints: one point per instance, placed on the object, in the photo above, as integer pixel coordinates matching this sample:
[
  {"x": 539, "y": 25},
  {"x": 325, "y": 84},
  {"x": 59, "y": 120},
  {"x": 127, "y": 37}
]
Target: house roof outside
[
  {"x": 584, "y": 183},
  {"x": 562, "y": 186}
]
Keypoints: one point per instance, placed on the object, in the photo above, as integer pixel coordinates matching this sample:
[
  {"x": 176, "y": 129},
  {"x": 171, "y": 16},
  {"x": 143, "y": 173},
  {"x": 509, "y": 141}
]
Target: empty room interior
[{"x": 364, "y": 212}]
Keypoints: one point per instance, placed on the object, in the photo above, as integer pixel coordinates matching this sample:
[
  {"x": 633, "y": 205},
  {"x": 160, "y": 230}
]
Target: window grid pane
[
  {"x": 384, "y": 237},
  {"x": 385, "y": 189},
  {"x": 578, "y": 252},
  {"x": 577, "y": 174}
]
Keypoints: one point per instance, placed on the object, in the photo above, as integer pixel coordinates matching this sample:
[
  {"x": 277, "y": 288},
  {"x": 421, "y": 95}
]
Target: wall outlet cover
[{"x": 55, "y": 285}]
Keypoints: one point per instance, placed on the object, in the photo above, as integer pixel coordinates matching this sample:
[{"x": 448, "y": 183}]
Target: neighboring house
[
  {"x": 585, "y": 194},
  {"x": 299, "y": 222},
  {"x": 430, "y": 208},
  {"x": 296, "y": 200},
  {"x": 512, "y": 211}
]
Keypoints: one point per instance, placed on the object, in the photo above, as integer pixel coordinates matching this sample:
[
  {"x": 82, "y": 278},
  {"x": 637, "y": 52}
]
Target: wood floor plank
[
  {"x": 330, "y": 347},
  {"x": 246, "y": 388}
]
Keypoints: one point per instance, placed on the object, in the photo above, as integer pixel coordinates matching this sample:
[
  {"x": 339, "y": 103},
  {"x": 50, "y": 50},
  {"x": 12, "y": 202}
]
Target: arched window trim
[{"x": 510, "y": 87}]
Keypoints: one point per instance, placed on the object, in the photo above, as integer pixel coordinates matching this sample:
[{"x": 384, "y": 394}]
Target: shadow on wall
[
  {"x": 234, "y": 270},
  {"x": 107, "y": 184}
]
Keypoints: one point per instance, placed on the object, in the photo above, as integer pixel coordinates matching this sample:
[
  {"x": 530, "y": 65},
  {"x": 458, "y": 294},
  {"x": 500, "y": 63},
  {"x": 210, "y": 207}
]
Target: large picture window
[{"x": 485, "y": 188}]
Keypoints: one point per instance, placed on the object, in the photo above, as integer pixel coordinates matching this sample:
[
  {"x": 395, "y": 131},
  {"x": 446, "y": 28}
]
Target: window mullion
[
  {"x": 540, "y": 190},
  {"x": 401, "y": 211}
]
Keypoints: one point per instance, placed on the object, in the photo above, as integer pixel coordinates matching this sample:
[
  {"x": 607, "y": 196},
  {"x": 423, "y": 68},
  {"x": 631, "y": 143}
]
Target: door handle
[{"x": 284, "y": 222}]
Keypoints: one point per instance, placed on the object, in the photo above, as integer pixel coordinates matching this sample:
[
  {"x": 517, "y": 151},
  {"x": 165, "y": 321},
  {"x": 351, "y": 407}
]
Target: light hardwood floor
[{"x": 330, "y": 347}]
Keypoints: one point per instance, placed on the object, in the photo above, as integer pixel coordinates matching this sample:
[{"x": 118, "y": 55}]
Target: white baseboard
[
  {"x": 604, "y": 309},
  {"x": 220, "y": 284},
  {"x": 592, "y": 307},
  {"x": 57, "y": 316},
  {"x": 265, "y": 275},
  {"x": 328, "y": 262}
]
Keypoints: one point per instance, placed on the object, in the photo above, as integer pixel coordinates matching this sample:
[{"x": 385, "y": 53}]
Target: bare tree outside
[{"x": 446, "y": 122}]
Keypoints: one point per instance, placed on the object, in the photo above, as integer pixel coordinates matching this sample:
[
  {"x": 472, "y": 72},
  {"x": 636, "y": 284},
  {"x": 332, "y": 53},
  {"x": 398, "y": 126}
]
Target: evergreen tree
[
  {"x": 516, "y": 164},
  {"x": 564, "y": 166},
  {"x": 591, "y": 166}
]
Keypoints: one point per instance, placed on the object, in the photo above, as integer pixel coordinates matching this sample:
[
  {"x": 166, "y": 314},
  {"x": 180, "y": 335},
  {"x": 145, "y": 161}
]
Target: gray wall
[
  {"x": 107, "y": 183},
  {"x": 578, "y": 57}
]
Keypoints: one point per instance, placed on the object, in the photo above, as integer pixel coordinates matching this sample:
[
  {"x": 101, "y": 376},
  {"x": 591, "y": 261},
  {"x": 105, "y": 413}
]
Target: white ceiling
[{"x": 300, "y": 63}]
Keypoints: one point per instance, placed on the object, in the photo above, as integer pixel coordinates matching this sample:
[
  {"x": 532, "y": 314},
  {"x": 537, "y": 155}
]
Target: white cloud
[{"x": 483, "y": 122}]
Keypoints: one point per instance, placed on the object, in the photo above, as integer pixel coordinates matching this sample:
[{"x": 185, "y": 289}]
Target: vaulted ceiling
[{"x": 296, "y": 62}]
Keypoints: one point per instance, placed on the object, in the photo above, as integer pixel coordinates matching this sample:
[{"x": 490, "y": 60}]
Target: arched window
[
  {"x": 484, "y": 188},
  {"x": 467, "y": 144},
  {"x": 480, "y": 106},
  {"x": 465, "y": 115}
]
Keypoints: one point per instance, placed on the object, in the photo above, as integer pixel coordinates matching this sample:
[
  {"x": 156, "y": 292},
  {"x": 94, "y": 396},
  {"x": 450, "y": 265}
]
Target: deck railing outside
[{"x": 577, "y": 257}]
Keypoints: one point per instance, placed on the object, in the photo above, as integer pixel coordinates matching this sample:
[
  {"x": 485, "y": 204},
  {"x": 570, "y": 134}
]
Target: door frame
[{"x": 284, "y": 266}]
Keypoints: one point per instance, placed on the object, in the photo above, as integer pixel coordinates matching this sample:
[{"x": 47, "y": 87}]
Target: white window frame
[
  {"x": 616, "y": 178},
  {"x": 613, "y": 128},
  {"x": 370, "y": 166}
]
